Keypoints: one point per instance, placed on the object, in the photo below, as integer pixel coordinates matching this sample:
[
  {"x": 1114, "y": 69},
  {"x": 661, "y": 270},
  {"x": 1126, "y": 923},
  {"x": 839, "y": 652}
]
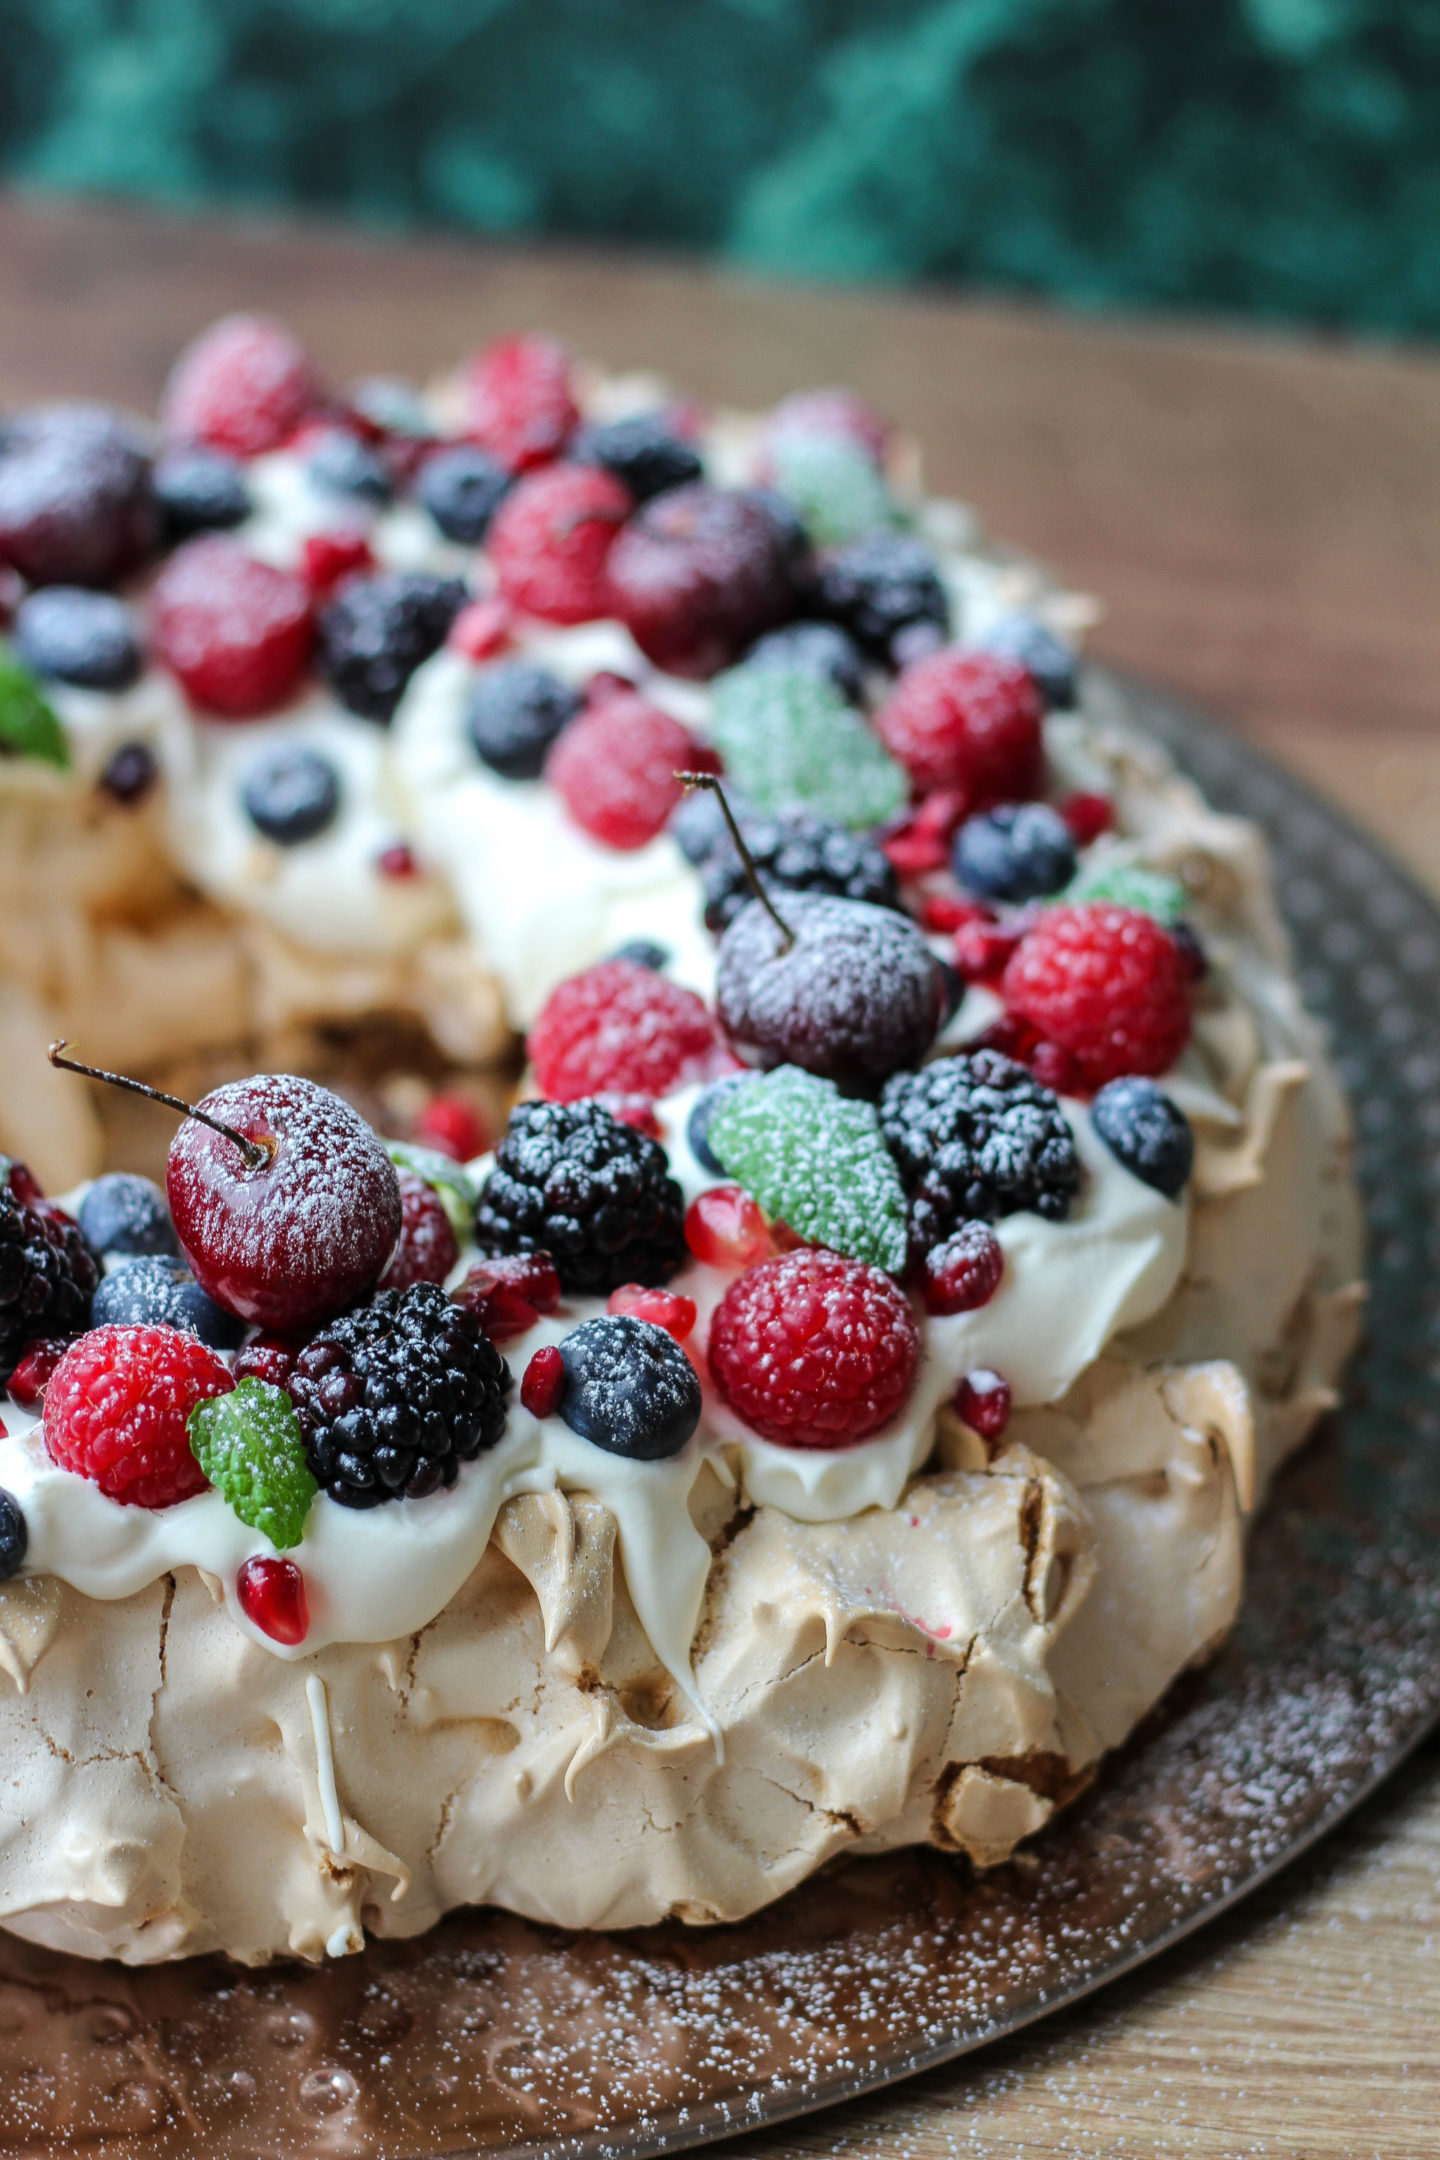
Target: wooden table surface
[{"x": 1261, "y": 517}]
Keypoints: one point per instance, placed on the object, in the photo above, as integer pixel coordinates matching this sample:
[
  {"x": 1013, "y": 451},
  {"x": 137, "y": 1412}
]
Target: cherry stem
[
  {"x": 255, "y": 1155},
  {"x": 689, "y": 780}
]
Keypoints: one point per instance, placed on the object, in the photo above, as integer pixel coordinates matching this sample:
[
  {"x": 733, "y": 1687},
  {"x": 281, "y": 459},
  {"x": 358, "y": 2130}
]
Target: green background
[{"x": 1273, "y": 157}]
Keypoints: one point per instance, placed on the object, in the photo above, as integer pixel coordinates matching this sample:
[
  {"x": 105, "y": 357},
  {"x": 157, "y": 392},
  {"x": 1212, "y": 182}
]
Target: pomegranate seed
[
  {"x": 22, "y": 1182},
  {"x": 328, "y": 557},
  {"x": 1087, "y": 816},
  {"x": 725, "y": 1228},
  {"x": 784, "y": 1239},
  {"x": 664, "y": 1308},
  {"x": 608, "y": 684},
  {"x": 272, "y": 1597},
  {"x": 543, "y": 1382},
  {"x": 944, "y": 912},
  {"x": 481, "y": 630},
  {"x": 396, "y": 862},
  {"x": 507, "y": 1296},
  {"x": 982, "y": 948},
  {"x": 32, "y": 1375},
  {"x": 983, "y": 1401},
  {"x": 454, "y": 1127}
]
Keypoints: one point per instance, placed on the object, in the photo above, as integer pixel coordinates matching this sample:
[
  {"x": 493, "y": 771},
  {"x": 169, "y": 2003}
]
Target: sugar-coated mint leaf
[
  {"x": 1149, "y": 892},
  {"x": 834, "y": 485},
  {"x": 28, "y": 726},
  {"x": 789, "y": 738},
  {"x": 250, "y": 1447},
  {"x": 815, "y": 1159},
  {"x": 446, "y": 1177}
]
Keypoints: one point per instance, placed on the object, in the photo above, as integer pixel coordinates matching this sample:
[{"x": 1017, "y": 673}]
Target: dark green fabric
[{"x": 1274, "y": 156}]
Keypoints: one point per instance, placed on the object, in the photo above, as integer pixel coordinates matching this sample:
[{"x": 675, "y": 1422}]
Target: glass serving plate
[{"x": 491, "y": 2036}]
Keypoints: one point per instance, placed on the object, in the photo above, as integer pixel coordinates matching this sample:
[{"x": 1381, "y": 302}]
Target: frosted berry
[
  {"x": 624, "y": 1028},
  {"x": 1044, "y": 655},
  {"x": 1105, "y": 983},
  {"x": 200, "y": 490},
  {"x": 162, "y": 1292},
  {"x": 428, "y": 1248},
  {"x": 572, "y": 1181},
  {"x": 983, "y": 1401},
  {"x": 881, "y": 588},
  {"x": 814, "y": 1350},
  {"x": 643, "y": 451},
  {"x": 76, "y": 507},
  {"x": 821, "y": 648},
  {"x": 967, "y": 720},
  {"x": 47, "y": 1272},
  {"x": 629, "y": 1388},
  {"x": 462, "y": 487},
  {"x": 1087, "y": 816},
  {"x": 514, "y": 713},
  {"x": 964, "y": 1272},
  {"x": 1145, "y": 1131},
  {"x": 662, "y": 1308},
  {"x": 75, "y": 636},
  {"x": 339, "y": 463},
  {"x": 543, "y": 1382},
  {"x": 615, "y": 768},
  {"x": 286, "y": 1245},
  {"x": 519, "y": 403},
  {"x": 14, "y": 1535},
  {"x": 977, "y": 1138},
  {"x": 271, "y": 1594},
  {"x": 243, "y": 385},
  {"x": 122, "y": 1213},
  {"x": 796, "y": 852},
  {"x": 510, "y": 1293},
  {"x": 724, "y": 1228},
  {"x": 291, "y": 794},
  {"x": 551, "y": 539},
  {"x": 236, "y": 631},
  {"x": 453, "y": 1127},
  {"x": 34, "y": 1372},
  {"x": 378, "y": 630},
  {"x": 699, "y": 573},
  {"x": 117, "y": 1407},
  {"x": 1021, "y": 851},
  {"x": 841, "y": 415}
]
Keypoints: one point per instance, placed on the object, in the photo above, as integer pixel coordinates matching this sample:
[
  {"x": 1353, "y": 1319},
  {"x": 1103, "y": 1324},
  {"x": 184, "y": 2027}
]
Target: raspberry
[
  {"x": 964, "y": 1272},
  {"x": 572, "y": 1181},
  {"x": 76, "y": 506},
  {"x": 243, "y": 385},
  {"x": 699, "y": 573},
  {"x": 378, "y": 630},
  {"x": 236, "y": 631},
  {"x": 977, "y": 1138},
  {"x": 967, "y": 720},
  {"x": 510, "y": 1293},
  {"x": 453, "y": 1127},
  {"x": 427, "y": 1249},
  {"x": 47, "y": 1275},
  {"x": 624, "y": 1029},
  {"x": 813, "y": 1350},
  {"x": 724, "y": 1228},
  {"x": 117, "y": 1410},
  {"x": 518, "y": 401},
  {"x": 551, "y": 539},
  {"x": 615, "y": 767},
  {"x": 1105, "y": 983}
]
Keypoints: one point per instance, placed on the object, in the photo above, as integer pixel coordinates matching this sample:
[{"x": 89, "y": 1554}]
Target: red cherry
[
  {"x": 983, "y": 1401},
  {"x": 725, "y": 1228},
  {"x": 543, "y": 1382},
  {"x": 507, "y": 1295},
  {"x": 272, "y": 1597},
  {"x": 454, "y": 1127},
  {"x": 664, "y": 1308}
]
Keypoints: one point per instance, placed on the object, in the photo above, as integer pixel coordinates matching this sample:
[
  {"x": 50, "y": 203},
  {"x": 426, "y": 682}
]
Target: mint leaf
[
  {"x": 28, "y": 726},
  {"x": 1149, "y": 892},
  {"x": 834, "y": 485},
  {"x": 446, "y": 1177},
  {"x": 815, "y": 1159},
  {"x": 249, "y": 1445},
  {"x": 788, "y": 737}
]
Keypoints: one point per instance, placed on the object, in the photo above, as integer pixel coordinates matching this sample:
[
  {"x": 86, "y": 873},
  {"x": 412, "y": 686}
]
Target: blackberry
[
  {"x": 571, "y": 1180},
  {"x": 642, "y": 451},
  {"x": 162, "y": 1292},
  {"x": 395, "y": 1395},
  {"x": 47, "y": 1277},
  {"x": 122, "y": 1213},
  {"x": 878, "y": 588},
  {"x": 1021, "y": 851},
  {"x": 76, "y": 636},
  {"x": 1147, "y": 1132},
  {"x": 795, "y": 852},
  {"x": 375, "y": 634},
  {"x": 977, "y": 1138},
  {"x": 462, "y": 488},
  {"x": 291, "y": 794},
  {"x": 200, "y": 490},
  {"x": 514, "y": 714}
]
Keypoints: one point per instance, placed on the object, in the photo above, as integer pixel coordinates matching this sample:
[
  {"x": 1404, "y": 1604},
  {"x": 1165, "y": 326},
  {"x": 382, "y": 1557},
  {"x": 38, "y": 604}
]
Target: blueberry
[
  {"x": 1022, "y": 851},
  {"x": 881, "y": 586},
  {"x": 1147, "y": 1132},
  {"x": 340, "y": 464},
  {"x": 629, "y": 1388},
  {"x": 123, "y": 1213},
  {"x": 643, "y": 952},
  {"x": 161, "y": 1292},
  {"x": 642, "y": 451},
  {"x": 82, "y": 637},
  {"x": 200, "y": 490},
  {"x": 1039, "y": 651},
  {"x": 462, "y": 489},
  {"x": 390, "y": 405},
  {"x": 516, "y": 711},
  {"x": 131, "y": 773},
  {"x": 14, "y": 1535},
  {"x": 821, "y": 647},
  {"x": 697, "y": 823},
  {"x": 697, "y": 1125},
  {"x": 378, "y": 630},
  {"x": 292, "y": 794}
]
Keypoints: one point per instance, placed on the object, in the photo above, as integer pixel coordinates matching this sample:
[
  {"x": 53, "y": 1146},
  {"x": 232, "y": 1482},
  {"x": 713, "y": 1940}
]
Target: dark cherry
[
  {"x": 699, "y": 572},
  {"x": 76, "y": 504}
]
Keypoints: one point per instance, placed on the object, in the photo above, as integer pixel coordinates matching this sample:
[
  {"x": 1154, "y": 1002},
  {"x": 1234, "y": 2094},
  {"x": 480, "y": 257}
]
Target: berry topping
[
  {"x": 76, "y": 506},
  {"x": 32, "y": 1375},
  {"x": 662, "y": 1308},
  {"x": 453, "y": 1126},
  {"x": 966, "y": 720},
  {"x": 122, "y": 1213},
  {"x": 518, "y": 401},
  {"x": 571, "y": 1180},
  {"x": 428, "y": 1247},
  {"x": 462, "y": 487},
  {"x": 510, "y": 1293},
  {"x": 267, "y": 1357},
  {"x": 1022, "y": 851},
  {"x": 796, "y": 852},
  {"x": 543, "y": 1382},
  {"x": 814, "y": 1350},
  {"x": 1087, "y": 816},
  {"x": 14, "y": 1535},
  {"x": 1131, "y": 885},
  {"x": 1043, "y": 655},
  {"x": 162, "y": 1292},
  {"x": 983, "y": 1401},
  {"x": 338, "y": 463},
  {"x": 836, "y": 487},
  {"x": 199, "y": 490},
  {"x": 236, "y": 631},
  {"x": 790, "y": 739},
  {"x": 395, "y": 1396},
  {"x": 327, "y": 559},
  {"x": 977, "y": 1138},
  {"x": 288, "y": 1244},
  {"x": 291, "y": 794},
  {"x": 551, "y": 539},
  {"x": 643, "y": 952},
  {"x": 643, "y": 451},
  {"x": 47, "y": 1276},
  {"x": 629, "y": 1388},
  {"x": 272, "y": 1598},
  {"x": 855, "y": 996},
  {"x": 1106, "y": 984},
  {"x": 840, "y": 415},
  {"x": 514, "y": 714},
  {"x": 1147, "y": 1132},
  {"x": 616, "y": 765},
  {"x": 699, "y": 573},
  {"x": 117, "y": 1411},
  {"x": 243, "y": 385},
  {"x": 820, "y": 648},
  {"x": 816, "y": 1160},
  {"x": 481, "y": 629},
  {"x": 621, "y": 1028},
  {"x": 250, "y": 1447},
  {"x": 879, "y": 587},
  {"x": 964, "y": 1272},
  {"x": 130, "y": 774},
  {"x": 697, "y": 1125},
  {"x": 80, "y": 637},
  {"x": 724, "y": 1228},
  {"x": 378, "y": 630},
  {"x": 982, "y": 948}
]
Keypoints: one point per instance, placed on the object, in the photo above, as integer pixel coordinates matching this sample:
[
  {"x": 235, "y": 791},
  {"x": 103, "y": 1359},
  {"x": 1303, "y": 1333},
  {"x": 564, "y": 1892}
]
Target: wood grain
[{"x": 1262, "y": 519}]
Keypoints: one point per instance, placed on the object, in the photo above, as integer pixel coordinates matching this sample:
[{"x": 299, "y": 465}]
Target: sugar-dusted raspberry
[
  {"x": 615, "y": 766},
  {"x": 235, "y": 630},
  {"x": 624, "y": 1029},
  {"x": 967, "y": 720},
  {"x": 1105, "y": 983},
  {"x": 700, "y": 572},
  {"x": 551, "y": 538},
  {"x": 427, "y": 1249},
  {"x": 243, "y": 385},
  {"x": 724, "y": 1228},
  {"x": 117, "y": 1406},
  {"x": 519, "y": 404},
  {"x": 813, "y": 1350},
  {"x": 509, "y": 1293},
  {"x": 964, "y": 1272}
]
